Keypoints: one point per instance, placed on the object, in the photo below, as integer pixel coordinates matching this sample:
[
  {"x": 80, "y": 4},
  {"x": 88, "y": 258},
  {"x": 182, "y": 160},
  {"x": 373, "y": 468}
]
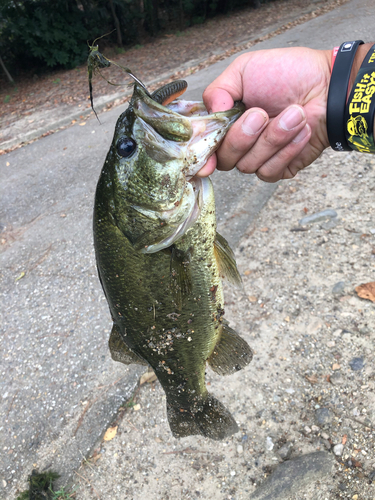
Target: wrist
[{"x": 326, "y": 76}]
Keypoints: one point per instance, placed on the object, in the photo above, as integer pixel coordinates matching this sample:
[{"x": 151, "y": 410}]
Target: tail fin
[{"x": 212, "y": 420}]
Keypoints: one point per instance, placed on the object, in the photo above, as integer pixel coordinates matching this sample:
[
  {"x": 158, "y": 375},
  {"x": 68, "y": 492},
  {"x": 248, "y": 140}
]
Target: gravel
[{"x": 299, "y": 396}]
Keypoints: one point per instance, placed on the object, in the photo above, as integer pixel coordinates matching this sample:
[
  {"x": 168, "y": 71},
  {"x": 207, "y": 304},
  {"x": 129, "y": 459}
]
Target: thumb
[{"x": 217, "y": 99}]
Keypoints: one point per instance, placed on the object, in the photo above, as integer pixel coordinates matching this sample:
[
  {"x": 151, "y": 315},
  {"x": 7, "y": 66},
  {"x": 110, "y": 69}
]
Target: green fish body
[{"x": 160, "y": 260}]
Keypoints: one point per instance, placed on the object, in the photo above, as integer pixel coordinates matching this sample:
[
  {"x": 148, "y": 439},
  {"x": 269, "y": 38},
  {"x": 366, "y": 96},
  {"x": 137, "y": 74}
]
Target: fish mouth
[
  {"x": 184, "y": 135},
  {"x": 183, "y": 129}
]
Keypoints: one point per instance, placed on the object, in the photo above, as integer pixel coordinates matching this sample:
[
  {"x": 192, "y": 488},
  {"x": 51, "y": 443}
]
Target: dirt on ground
[
  {"x": 307, "y": 395},
  {"x": 200, "y": 45}
]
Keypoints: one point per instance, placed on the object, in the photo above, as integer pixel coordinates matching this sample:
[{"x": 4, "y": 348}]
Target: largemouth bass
[{"x": 160, "y": 259}]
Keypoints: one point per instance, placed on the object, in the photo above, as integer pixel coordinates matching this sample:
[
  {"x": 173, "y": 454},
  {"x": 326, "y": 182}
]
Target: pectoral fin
[
  {"x": 231, "y": 353},
  {"x": 226, "y": 261},
  {"x": 120, "y": 351}
]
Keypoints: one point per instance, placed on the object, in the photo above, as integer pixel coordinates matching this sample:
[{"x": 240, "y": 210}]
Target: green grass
[
  {"x": 130, "y": 403},
  {"x": 61, "y": 495},
  {"x": 41, "y": 486}
]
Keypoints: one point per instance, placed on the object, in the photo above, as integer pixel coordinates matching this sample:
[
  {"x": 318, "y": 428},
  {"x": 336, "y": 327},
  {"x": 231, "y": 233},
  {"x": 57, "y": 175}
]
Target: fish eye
[{"x": 125, "y": 147}]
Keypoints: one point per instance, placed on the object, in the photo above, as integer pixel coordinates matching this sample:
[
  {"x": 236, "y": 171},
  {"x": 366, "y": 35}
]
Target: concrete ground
[{"x": 305, "y": 405}]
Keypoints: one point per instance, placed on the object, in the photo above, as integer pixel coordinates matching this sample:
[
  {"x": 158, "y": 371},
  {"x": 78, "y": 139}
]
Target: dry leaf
[
  {"x": 147, "y": 377},
  {"x": 366, "y": 291},
  {"x": 313, "y": 379},
  {"x": 137, "y": 407},
  {"x": 110, "y": 433},
  {"x": 345, "y": 298}
]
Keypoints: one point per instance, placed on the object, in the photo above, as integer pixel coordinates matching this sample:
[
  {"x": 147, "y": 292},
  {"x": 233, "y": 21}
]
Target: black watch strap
[
  {"x": 360, "y": 109},
  {"x": 337, "y": 95}
]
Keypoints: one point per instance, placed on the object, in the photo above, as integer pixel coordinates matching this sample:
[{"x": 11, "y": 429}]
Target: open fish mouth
[
  {"x": 182, "y": 130},
  {"x": 183, "y": 135}
]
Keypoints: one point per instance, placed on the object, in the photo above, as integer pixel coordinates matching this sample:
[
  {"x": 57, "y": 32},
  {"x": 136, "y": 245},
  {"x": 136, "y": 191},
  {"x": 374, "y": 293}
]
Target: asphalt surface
[{"x": 60, "y": 389}]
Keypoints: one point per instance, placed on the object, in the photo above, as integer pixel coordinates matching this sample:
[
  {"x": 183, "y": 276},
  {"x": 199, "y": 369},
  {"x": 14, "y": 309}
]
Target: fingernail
[
  {"x": 301, "y": 136},
  {"x": 253, "y": 123},
  {"x": 291, "y": 118}
]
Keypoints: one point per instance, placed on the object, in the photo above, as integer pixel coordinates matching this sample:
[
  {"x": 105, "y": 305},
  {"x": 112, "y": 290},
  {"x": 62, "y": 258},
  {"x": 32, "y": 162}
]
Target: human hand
[{"x": 286, "y": 131}]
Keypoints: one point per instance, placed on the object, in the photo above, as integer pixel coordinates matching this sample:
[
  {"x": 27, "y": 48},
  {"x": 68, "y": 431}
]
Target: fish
[{"x": 160, "y": 259}]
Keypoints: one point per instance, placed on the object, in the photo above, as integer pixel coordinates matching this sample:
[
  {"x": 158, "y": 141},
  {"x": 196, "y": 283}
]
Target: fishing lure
[{"x": 96, "y": 61}]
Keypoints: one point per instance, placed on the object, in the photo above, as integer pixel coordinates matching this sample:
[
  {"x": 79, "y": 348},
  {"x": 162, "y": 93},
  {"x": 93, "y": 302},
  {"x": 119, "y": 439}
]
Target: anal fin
[
  {"x": 120, "y": 351},
  {"x": 231, "y": 353}
]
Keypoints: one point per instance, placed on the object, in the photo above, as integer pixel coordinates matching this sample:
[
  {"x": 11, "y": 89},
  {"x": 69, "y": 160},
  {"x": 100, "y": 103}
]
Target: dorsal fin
[{"x": 226, "y": 261}]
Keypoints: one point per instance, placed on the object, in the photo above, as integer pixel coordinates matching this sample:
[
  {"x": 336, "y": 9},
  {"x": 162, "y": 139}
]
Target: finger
[
  {"x": 241, "y": 137},
  {"x": 288, "y": 161},
  {"x": 209, "y": 167},
  {"x": 226, "y": 88},
  {"x": 217, "y": 99},
  {"x": 280, "y": 132},
  {"x": 309, "y": 154}
]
